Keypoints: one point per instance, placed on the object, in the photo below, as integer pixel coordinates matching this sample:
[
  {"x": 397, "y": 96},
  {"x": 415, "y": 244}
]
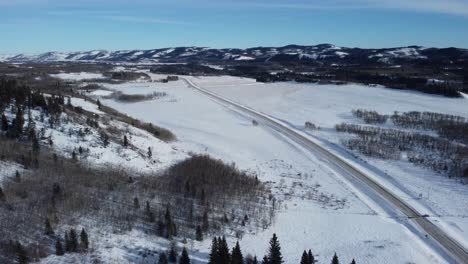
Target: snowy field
[
  {"x": 78, "y": 76},
  {"x": 327, "y": 105},
  {"x": 319, "y": 210}
]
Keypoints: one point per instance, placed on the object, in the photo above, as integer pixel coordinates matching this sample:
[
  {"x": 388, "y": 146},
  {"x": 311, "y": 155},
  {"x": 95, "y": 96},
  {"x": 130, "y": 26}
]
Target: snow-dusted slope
[{"x": 323, "y": 52}]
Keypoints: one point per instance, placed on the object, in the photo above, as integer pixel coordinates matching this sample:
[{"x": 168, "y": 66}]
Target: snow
[
  {"x": 319, "y": 209},
  {"x": 100, "y": 93},
  {"x": 464, "y": 95},
  {"x": 86, "y": 105},
  {"x": 327, "y": 105},
  {"x": 78, "y": 76},
  {"x": 243, "y": 58},
  {"x": 8, "y": 170},
  {"x": 341, "y": 54}
]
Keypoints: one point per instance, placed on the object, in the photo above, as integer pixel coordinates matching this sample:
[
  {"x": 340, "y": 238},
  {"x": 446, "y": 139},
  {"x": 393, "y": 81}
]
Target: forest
[
  {"x": 53, "y": 200},
  {"x": 446, "y": 153}
]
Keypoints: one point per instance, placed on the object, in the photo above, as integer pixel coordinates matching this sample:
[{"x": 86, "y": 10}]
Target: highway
[{"x": 455, "y": 250}]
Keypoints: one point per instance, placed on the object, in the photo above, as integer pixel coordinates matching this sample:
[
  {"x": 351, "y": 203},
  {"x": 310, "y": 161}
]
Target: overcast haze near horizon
[{"x": 33, "y": 26}]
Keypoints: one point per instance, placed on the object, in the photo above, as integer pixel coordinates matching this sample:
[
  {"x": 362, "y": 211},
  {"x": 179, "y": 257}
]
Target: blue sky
[{"x": 33, "y": 26}]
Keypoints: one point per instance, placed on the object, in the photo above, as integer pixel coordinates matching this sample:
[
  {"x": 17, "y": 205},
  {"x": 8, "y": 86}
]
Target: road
[{"x": 455, "y": 250}]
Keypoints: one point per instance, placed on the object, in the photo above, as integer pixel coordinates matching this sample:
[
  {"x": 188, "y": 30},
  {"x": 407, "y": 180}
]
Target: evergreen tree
[
  {"x": 35, "y": 144},
  {"x": 255, "y": 261},
  {"x": 48, "y": 228},
  {"x": 2, "y": 195},
  {"x": 353, "y": 262},
  {"x": 184, "y": 257},
  {"x": 199, "y": 234},
  {"x": 59, "y": 248},
  {"x": 274, "y": 255},
  {"x": 74, "y": 155},
  {"x": 4, "y": 123},
  {"x": 125, "y": 141},
  {"x": 223, "y": 251},
  {"x": 214, "y": 251},
  {"x": 335, "y": 259},
  {"x": 149, "y": 213},
  {"x": 169, "y": 225},
  {"x": 265, "y": 260},
  {"x": 173, "y": 254},
  {"x": 311, "y": 257},
  {"x": 73, "y": 240},
  {"x": 17, "y": 176},
  {"x": 305, "y": 258},
  {"x": 136, "y": 203},
  {"x": 18, "y": 123},
  {"x": 236, "y": 256},
  {"x": 162, "y": 259},
  {"x": 150, "y": 153},
  {"x": 67, "y": 242},
  {"x": 84, "y": 240},
  {"x": 98, "y": 104},
  {"x": 205, "y": 222},
  {"x": 21, "y": 254}
]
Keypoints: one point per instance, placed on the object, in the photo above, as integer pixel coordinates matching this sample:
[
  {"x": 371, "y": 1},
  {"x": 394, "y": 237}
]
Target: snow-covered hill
[{"x": 290, "y": 53}]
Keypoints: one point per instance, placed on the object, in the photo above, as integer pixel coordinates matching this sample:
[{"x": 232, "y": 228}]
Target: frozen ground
[
  {"x": 318, "y": 210},
  {"x": 326, "y": 105},
  {"x": 8, "y": 170}
]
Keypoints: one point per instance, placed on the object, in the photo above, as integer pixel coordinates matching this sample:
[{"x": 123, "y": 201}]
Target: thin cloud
[
  {"x": 145, "y": 20},
  {"x": 450, "y": 7}
]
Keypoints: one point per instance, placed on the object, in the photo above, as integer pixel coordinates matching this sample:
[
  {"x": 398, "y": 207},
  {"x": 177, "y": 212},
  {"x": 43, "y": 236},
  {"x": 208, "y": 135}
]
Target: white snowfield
[
  {"x": 326, "y": 105},
  {"x": 320, "y": 209},
  {"x": 73, "y": 76}
]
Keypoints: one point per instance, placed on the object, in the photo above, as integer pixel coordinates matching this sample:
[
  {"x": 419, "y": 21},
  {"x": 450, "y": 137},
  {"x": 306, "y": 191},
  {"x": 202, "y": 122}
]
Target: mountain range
[{"x": 326, "y": 53}]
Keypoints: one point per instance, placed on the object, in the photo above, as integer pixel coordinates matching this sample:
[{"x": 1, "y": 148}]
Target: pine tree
[
  {"x": 205, "y": 222},
  {"x": 2, "y": 195},
  {"x": 73, "y": 239},
  {"x": 84, "y": 240},
  {"x": 265, "y": 260},
  {"x": 335, "y": 259},
  {"x": 255, "y": 261},
  {"x": 48, "y": 228},
  {"x": 125, "y": 141},
  {"x": 17, "y": 176},
  {"x": 214, "y": 251},
  {"x": 353, "y": 262},
  {"x": 274, "y": 255},
  {"x": 173, "y": 254},
  {"x": 136, "y": 203},
  {"x": 184, "y": 257},
  {"x": 150, "y": 153},
  {"x": 311, "y": 257},
  {"x": 149, "y": 213},
  {"x": 236, "y": 256},
  {"x": 67, "y": 242},
  {"x": 35, "y": 145},
  {"x": 162, "y": 259},
  {"x": 59, "y": 248},
  {"x": 169, "y": 225},
  {"x": 305, "y": 258},
  {"x": 4, "y": 123},
  {"x": 21, "y": 254},
  {"x": 18, "y": 123},
  {"x": 98, "y": 104},
  {"x": 74, "y": 155},
  {"x": 223, "y": 251},
  {"x": 199, "y": 234}
]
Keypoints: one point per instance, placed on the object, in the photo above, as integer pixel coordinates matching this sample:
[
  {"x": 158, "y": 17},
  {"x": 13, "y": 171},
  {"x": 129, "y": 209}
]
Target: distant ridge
[{"x": 326, "y": 53}]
